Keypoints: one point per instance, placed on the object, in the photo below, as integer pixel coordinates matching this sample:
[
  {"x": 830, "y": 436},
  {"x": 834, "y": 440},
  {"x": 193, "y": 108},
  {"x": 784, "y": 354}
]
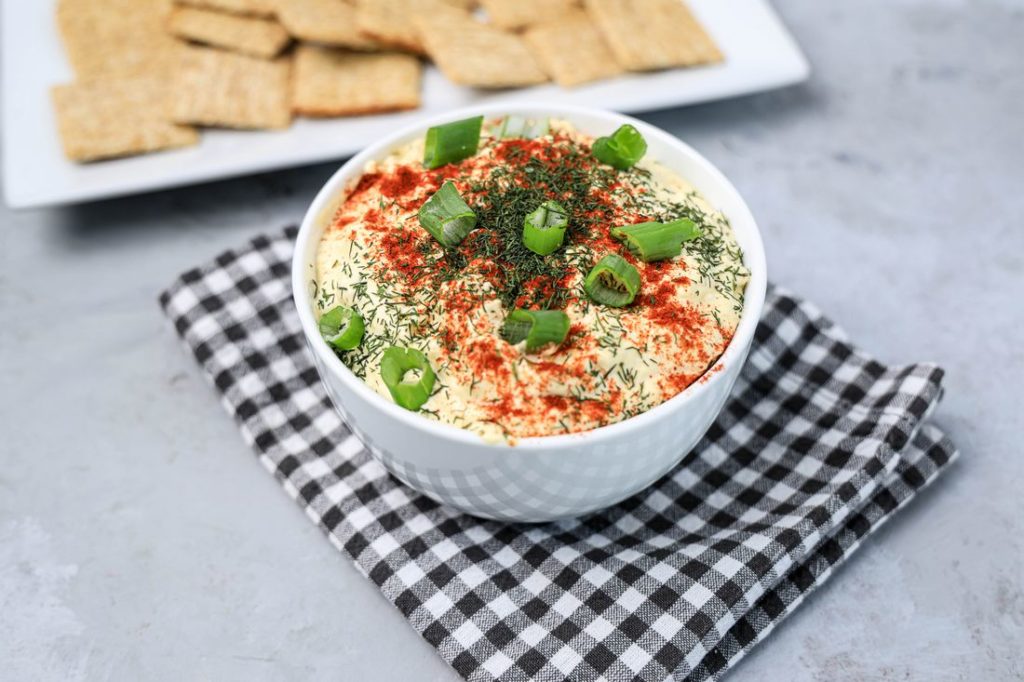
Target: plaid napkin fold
[{"x": 818, "y": 446}]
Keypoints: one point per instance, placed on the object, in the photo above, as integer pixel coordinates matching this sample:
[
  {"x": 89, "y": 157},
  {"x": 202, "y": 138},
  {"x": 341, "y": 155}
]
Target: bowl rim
[{"x": 735, "y": 352}]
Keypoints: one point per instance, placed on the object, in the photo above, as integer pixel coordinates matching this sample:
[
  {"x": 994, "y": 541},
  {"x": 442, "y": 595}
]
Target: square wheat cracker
[
  {"x": 482, "y": 56},
  {"x": 256, "y": 8},
  {"x": 652, "y": 34},
  {"x": 393, "y": 22},
  {"x": 106, "y": 118},
  {"x": 216, "y": 88},
  {"x": 247, "y": 35},
  {"x": 331, "y": 22},
  {"x": 572, "y": 50},
  {"x": 112, "y": 38},
  {"x": 516, "y": 14},
  {"x": 332, "y": 82}
]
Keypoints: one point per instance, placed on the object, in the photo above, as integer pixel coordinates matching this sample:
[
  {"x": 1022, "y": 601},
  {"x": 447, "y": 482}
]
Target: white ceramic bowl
[{"x": 551, "y": 477}]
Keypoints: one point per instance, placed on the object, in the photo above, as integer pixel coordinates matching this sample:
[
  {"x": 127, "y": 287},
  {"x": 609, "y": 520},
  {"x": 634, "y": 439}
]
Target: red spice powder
[
  {"x": 507, "y": 408},
  {"x": 556, "y": 403},
  {"x": 458, "y": 299},
  {"x": 547, "y": 367},
  {"x": 595, "y": 410},
  {"x": 341, "y": 221},
  {"x": 519, "y": 149},
  {"x": 437, "y": 176},
  {"x": 372, "y": 218},
  {"x": 574, "y": 339},
  {"x": 706, "y": 377},
  {"x": 535, "y": 289},
  {"x": 674, "y": 384},
  {"x": 600, "y": 410},
  {"x": 484, "y": 357},
  {"x": 665, "y": 310},
  {"x": 367, "y": 182},
  {"x": 403, "y": 181},
  {"x": 398, "y": 246}
]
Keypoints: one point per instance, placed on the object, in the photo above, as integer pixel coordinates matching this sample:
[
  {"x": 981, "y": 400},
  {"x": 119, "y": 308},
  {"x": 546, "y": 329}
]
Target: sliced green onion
[
  {"x": 657, "y": 241},
  {"x": 342, "y": 327},
  {"x": 537, "y": 327},
  {"x": 544, "y": 229},
  {"x": 446, "y": 216},
  {"x": 519, "y": 126},
  {"x": 612, "y": 282},
  {"x": 452, "y": 142},
  {"x": 622, "y": 149},
  {"x": 408, "y": 375}
]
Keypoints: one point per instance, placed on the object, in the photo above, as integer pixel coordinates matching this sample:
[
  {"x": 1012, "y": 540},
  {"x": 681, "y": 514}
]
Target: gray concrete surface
[{"x": 140, "y": 540}]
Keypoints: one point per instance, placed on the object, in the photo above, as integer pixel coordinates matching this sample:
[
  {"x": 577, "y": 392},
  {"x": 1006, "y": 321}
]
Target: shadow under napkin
[{"x": 818, "y": 445}]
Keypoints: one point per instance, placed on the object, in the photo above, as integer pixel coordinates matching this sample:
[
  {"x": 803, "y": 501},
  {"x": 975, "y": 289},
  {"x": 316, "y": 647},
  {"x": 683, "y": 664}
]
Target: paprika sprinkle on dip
[{"x": 527, "y": 286}]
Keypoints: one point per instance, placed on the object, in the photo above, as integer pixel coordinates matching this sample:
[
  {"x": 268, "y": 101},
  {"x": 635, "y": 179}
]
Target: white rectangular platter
[{"x": 760, "y": 55}]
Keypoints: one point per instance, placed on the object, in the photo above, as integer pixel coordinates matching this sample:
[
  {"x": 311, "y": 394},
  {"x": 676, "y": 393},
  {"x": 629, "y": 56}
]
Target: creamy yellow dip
[{"x": 615, "y": 363}]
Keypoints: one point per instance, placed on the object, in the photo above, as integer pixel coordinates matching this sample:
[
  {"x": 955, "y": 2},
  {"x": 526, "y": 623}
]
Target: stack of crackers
[{"x": 150, "y": 73}]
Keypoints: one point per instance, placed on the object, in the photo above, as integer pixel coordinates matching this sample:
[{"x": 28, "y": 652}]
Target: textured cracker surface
[
  {"x": 107, "y": 118},
  {"x": 483, "y": 56},
  {"x": 393, "y": 22},
  {"x": 260, "y": 8},
  {"x": 652, "y": 34},
  {"x": 216, "y": 88},
  {"x": 516, "y": 14},
  {"x": 333, "y": 82},
  {"x": 247, "y": 35},
  {"x": 572, "y": 50},
  {"x": 116, "y": 37},
  {"x": 332, "y": 22}
]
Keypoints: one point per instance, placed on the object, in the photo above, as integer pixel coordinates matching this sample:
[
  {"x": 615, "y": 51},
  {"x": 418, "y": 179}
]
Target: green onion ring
[
  {"x": 446, "y": 216},
  {"x": 408, "y": 375},
  {"x": 657, "y": 241},
  {"x": 342, "y": 328},
  {"x": 612, "y": 282},
  {"x": 537, "y": 327},
  {"x": 452, "y": 142},
  {"x": 622, "y": 149},
  {"x": 521, "y": 127},
  {"x": 544, "y": 229}
]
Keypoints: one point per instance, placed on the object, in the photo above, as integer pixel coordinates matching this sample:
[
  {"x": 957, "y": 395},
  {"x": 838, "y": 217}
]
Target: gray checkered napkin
[{"x": 818, "y": 446}]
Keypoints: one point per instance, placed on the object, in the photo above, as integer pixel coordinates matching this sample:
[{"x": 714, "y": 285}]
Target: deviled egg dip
[{"x": 520, "y": 278}]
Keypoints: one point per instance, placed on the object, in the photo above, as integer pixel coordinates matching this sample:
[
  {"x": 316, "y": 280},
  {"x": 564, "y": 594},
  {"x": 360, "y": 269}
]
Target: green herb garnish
[
  {"x": 408, "y": 375},
  {"x": 657, "y": 241},
  {"x": 544, "y": 229},
  {"x": 342, "y": 328},
  {"x": 521, "y": 127},
  {"x": 612, "y": 282},
  {"x": 537, "y": 327},
  {"x": 446, "y": 216},
  {"x": 622, "y": 149},
  {"x": 452, "y": 142}
]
